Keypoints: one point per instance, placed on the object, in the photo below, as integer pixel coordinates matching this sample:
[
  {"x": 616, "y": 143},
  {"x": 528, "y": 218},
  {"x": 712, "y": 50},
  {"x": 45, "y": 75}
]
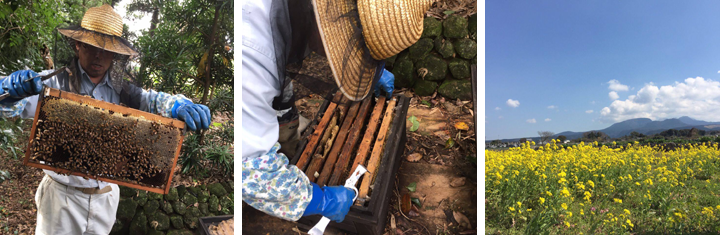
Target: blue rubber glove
[
  {"x": 386, "y": 83},
  {"x": 333, "y": 202},
  {"x": 18, "y": 89},
  {"x": 194, "y": 115}
]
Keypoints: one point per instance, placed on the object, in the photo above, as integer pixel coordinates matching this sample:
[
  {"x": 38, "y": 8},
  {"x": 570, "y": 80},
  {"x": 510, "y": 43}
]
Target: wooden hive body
[{"x": 79, "y": 135}]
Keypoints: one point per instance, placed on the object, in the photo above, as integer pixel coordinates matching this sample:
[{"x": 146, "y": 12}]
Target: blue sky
[{"x": 584, "y": 65}]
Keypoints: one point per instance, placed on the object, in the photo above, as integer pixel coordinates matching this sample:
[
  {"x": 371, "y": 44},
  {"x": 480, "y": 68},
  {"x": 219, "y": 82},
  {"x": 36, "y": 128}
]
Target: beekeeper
[
  {"x": 69, "y": 204},
  {"x": 355, "y": 37}
]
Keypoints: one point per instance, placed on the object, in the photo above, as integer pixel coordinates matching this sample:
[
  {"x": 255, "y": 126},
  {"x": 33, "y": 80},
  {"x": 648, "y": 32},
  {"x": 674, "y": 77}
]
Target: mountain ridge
[{"x": 644, "y": 126}]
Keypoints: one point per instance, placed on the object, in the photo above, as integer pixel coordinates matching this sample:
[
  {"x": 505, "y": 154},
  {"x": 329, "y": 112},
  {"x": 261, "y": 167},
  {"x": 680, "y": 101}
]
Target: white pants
[{"x": 65, "y": 210}]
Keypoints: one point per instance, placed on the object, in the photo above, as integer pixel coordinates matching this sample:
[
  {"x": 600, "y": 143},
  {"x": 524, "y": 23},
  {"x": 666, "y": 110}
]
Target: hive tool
[{"x": 42, "y": 78}]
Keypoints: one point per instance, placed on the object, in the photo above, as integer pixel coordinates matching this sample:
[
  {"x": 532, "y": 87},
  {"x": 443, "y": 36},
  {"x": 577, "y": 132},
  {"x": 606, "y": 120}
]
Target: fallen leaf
[
  {"x": 461, "y": 126},
  {"x": 449, "y": 143},
  {"x": 416, "y": 201},
  {"x": 415, "y": 123},
  {"x": 414, "y": 157},
  {"x": 412, "y": 186},
  {"x": 462, "y": 219},
  {"x": 393, "y": 225},
  {"x": 405, "y": 203},
  {"x": 413, "y": 213},
  {"x": 457, "y": 182}
]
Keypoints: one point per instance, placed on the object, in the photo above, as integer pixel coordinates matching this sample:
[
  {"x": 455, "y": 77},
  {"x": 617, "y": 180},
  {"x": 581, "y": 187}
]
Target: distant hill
[{"x": 641, "y": 125}]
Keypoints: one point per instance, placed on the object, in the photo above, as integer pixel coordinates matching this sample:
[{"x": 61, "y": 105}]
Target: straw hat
[
  {"x": 101, "y": 27},
  {"x": 388, "y": 27}
]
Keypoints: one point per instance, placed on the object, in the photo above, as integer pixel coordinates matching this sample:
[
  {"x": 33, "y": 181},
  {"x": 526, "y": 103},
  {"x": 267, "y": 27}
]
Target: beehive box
[
  {"x": 78, "y": 135},
  {"x": 368, "y": 215}
]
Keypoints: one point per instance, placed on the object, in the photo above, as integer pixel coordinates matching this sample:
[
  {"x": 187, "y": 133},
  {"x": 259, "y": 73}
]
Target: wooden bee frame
[{"x": 112, "y": 109}]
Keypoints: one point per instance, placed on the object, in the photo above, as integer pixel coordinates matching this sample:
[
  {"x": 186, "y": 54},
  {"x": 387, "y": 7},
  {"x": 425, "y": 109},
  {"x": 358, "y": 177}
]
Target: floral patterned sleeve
[
  {"x": 159, "y": 102},
  {"x": 13, "y": 110},
  {"x": 272, "y": 186}
]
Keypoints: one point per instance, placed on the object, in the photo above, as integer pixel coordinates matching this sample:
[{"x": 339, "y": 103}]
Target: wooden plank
[
  {"x": 344, "y": 158},
  {"x": 376, "y": 157},
  {"x": 315, "y": 137},
  {"x": 338, "y": 144},
  {"x": 319, "y": 156},
  {"x": 318, "y": 159},
  {"x": 372, "y": 126}
]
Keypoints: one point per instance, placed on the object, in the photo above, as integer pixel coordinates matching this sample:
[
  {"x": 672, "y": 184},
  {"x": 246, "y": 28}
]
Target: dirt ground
[{"x": 445, "y": 177}]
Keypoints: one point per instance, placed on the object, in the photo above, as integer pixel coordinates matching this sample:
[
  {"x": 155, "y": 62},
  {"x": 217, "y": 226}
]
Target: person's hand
[
  {"x": 386, "y": 83},
  {"x": 196, "y": 116},
  {"x": 17, "y": 87},
  {"x": 333, "y": 202}
]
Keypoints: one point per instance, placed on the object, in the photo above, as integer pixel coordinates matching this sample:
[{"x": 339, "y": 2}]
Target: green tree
[{"x": 562, "y": 138}]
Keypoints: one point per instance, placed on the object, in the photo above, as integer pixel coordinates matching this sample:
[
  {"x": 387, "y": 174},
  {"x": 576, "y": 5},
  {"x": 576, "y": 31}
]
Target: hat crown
[
  {"x": 390, "y": 26},
  {"x": 103, "y": 19}
]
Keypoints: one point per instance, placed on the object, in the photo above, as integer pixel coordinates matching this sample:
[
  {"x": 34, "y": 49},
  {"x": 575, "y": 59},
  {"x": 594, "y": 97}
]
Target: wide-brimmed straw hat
[
  {"x": 101, "y": 27},
  {"x": 356, "y": 34}
]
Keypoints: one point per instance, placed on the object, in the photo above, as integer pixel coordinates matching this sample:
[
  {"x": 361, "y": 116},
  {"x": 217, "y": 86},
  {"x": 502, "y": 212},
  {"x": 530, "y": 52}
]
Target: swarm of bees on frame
[{"x": 96, "y": 142}]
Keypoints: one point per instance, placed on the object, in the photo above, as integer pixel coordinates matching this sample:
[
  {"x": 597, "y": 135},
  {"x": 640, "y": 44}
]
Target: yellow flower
[
  {"x": 564, "y": 206},
  {"x": 567, "y": 224},
  {"x": 630, "y": 223},
  {"x": 511, "y": 208},
  {"x": 519, "y": 204},
  {"x": 581, "y": 212},
  {"x": 542, "y": 200},
  {"x": 592, "y": 184},
  {"x": 562, "y": 174},
  {"x": 529, "y": 210},
  {"x": 565, "y": 192},
  {"x": 626, "y": 211},
  {"x": 617, "y": 200},
  {"x": 569, "y": 214},
  {"x": 550, "y": 194}
]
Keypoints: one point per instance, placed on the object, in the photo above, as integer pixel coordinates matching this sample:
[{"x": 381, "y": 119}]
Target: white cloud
[
  {"x": 588, "y": 111},
  {"x": 695, "y": 97},
  {"x": 500, "y": 117},
  {"x": 593, "y": 102},
  {"x": 547, "y": 119},
  {"x": 497, "y": 108},
  {"x": 615, "y": 85},
  {"x": 552, "y": 107},
  {"x": 613, "y": 95},
  {"x": 513, "y": 103},
  {"x": 531, "y": 120}
]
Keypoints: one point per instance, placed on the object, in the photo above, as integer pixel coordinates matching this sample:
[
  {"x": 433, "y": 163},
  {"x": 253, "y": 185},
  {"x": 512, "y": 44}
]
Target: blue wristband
[{"x": 316, "y": 204}]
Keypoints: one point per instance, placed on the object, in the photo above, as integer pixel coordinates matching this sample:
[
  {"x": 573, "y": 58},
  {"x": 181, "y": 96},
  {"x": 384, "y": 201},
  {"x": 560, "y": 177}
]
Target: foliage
[
  {"x": 545, "y": 135},
  {"x": 11, "y": 134},
  {"x": 28, "y": 31},
  {"x": 175, "y": 52},
  {"x": 592, "y": 189},
  {"x": 217, "y": 151},
  {"x": 562, "y": 138}
]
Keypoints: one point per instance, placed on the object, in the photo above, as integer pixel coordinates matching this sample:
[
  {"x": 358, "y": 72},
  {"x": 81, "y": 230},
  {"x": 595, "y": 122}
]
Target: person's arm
[
  {"x": 23, "y": 95},
  {"x": 196, "y": 116}
]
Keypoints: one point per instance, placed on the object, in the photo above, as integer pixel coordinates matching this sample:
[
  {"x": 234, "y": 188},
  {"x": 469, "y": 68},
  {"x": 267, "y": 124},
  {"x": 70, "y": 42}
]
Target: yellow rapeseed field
[{"x": 591, "y": 189}]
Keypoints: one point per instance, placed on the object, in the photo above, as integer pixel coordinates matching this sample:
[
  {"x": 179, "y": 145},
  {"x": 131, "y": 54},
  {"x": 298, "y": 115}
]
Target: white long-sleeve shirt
[{"x": 269, "y": 184}]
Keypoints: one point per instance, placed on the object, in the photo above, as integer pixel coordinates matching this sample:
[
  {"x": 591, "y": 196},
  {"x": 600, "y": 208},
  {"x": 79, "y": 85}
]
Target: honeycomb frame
[{"x": 147, "y": 140}]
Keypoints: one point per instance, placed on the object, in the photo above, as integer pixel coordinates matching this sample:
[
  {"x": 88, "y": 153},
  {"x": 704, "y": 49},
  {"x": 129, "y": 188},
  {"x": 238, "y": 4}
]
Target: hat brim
[
  {"x": 353, "y": 67},
  {"x": 106, "y": 42}
]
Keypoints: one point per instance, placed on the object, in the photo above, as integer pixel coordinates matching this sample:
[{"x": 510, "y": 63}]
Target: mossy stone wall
[
  {"x": 175, "y": 213},
  {"x": 440, "y": 61}
]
